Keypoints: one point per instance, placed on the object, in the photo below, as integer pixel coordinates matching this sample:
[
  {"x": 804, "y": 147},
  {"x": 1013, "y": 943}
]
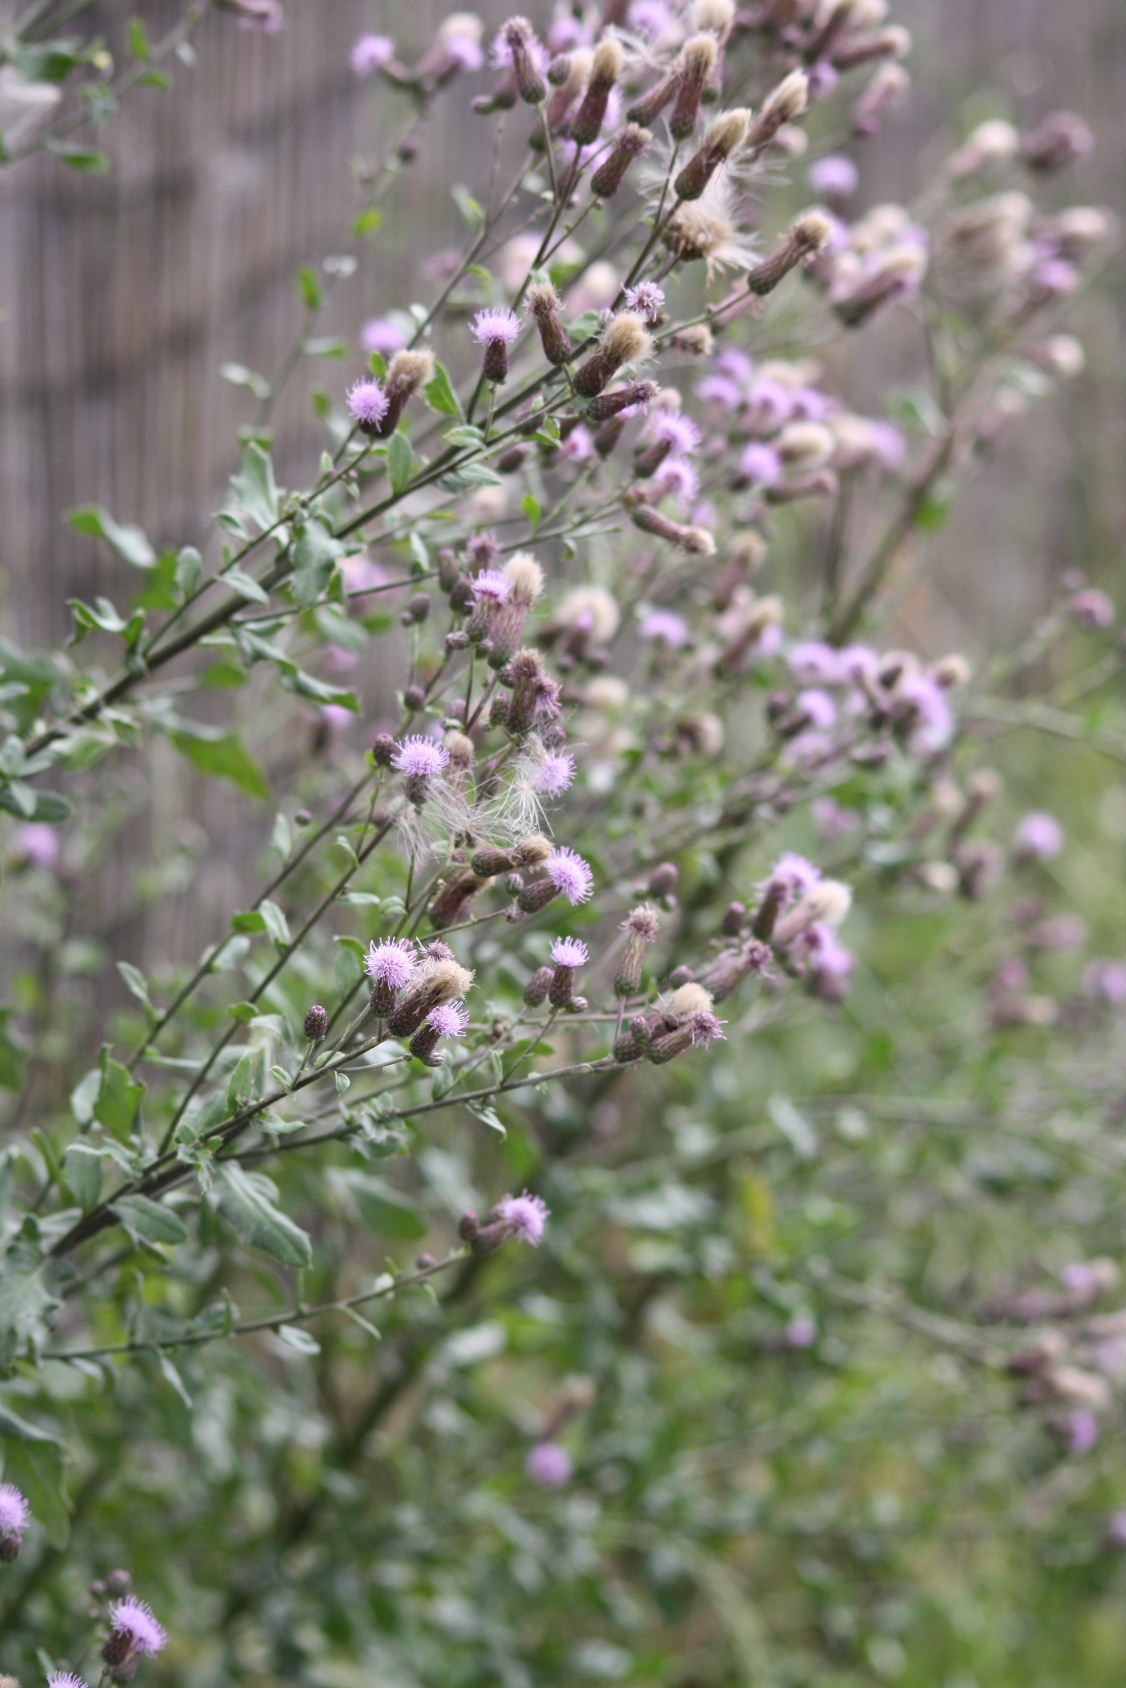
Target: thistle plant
[{"x": 635, "y": 869}]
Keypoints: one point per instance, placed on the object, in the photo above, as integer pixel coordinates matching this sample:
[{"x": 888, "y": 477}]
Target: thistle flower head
[
  {"x": 570, "y": 874},
  {"x": 419, "y": 758},
  {"x": 548, "y": 1463},
  {"x": 643, "y": 923},
  {"x": 460, "y": 36},
  {"x": 1039, "y": 837},
  {"x": 704, "y": 1027},
  {"x": 834, "y": 177},
  {"x": 553, "y": 772},
  {"x": 382, "y": 335},
  {"x": 495, "y": 326},
  {"x": 371, "y": 53},
  {"x": 449, "y": 1019},
  {"x": 390, "y": 962},
  {"x": 673, "y": 428},
  {"x": 134, "y": 1620},
  {"x": 706, "y": 229},
  {"x": 592, "y": 610},
  {"x": 686, "y": 1001},
  {"x": 646, "y": 300},
  {"x": 626, "y": 339},
  {"x": 409, "y": 369},
  {"x": 15, "y": 1513},
  {"x": 664, "y": 627},
  {"x": 491, "y": 586},
  {"x": 525, "y": 578},
  {"x": 367, "y": 402},
  {"x": 524, "y": 1215},
  {"x": 59, "y": 1679},
  {"x": 793, "y": 875},
  {"x": 569, "y": 952}
]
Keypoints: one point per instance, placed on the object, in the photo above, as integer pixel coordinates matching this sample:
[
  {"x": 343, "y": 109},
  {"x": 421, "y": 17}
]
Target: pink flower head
[
  {"x": 569, "y": 952},
  {"x": 673, "y": 428},
  {"x": 1106, "y": 978},
  {"x": 134, "y": 1619},
  {"x": 656, "y": 20},
  {"x": 704, "y": 1028},
  {"x": 1092, "y": 608},
  {"x": 449, "y": 1019},
  {"x": 771, "y": 404},
  {"x": 371, "y": 53},
  {"x": 382, "y": 335},
  {"x": 666, "y": 626},
  {"x": 391, "y": 962},
  {"x": 490, "y": 586},
  {"x": 1039, "y": 837},
  {"x": 800, "y": 1332},
  {"x": 812, "y": 405},
  {"x": 761, "y": 464},
  {"x": 645, "y": 300},
  {"x": 15, "y": 1514},
  {"x": 555, "y": 773},
  {"x": 826, "y": 954},
  {"x": 578, "y": 447},
  {"x": 419, "y": 758},
  {"x": 548, "y": 1463},
  {"x": 834, "y": 177},
  {"x": 930, "y": 718},
  {"x": 39, "y": 843},
  {"x": 493, "y": 326},
  {"x": 525, "y": 1215},
  {"x": 501, "y": 56},
  {"x": 367, "y": 402},
  {"x": 719, "y": 389},
  {"x": 815, "y": 663},
  {"x": 792, "y": 875},
  {"x": 570, "y": 875},
  {"x": 888, "y": 445},
  {"x": 1082, "y": 1430},
  {"x": 65, "y": 1679},
  {"x": 818, "y": 707},
  {"x": 859, "y": 662},
  {"x": 677, "y": 478}
]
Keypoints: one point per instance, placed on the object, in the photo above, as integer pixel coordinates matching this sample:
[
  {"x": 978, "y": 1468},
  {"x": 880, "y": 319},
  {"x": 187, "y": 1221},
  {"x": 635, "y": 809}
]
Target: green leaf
[
  {"x": 119, "y": 1098},
  {"x": 239, "y": 376},
  {"x": 223, "y": 755},
  {"x": 246, "y": 1201},
  {"x": 25, "y": 1299},
  {"x": 88, "y": 161},
  {"x": 384, "y": 1210},
  {"x": 11, "y": 1424},
  {"x": 400, "y": 462},
  {"x": 440, "y": 394},
  {"x": 254, "y": 490},
  {"x": 149, "y": 1221},
  {"x": 253, "y": 920},
  {"x": 275, "y": 922},
  {"x": 84, "y": 1174},
  {"x": 531, "y": 508},
  {"x": 126, "y": 539},
  {"x": 368, "y": 223},
  {"x": 136, "y": 983},
  {"x": 139, "y": 40},
  {"x": 299, "y": 1340},
  {"x": 11, "y": 1055},
  {"x": 245, "y": 585},
  {"x": 314, "y": 557},
  {"x": 309, "y": 283}
]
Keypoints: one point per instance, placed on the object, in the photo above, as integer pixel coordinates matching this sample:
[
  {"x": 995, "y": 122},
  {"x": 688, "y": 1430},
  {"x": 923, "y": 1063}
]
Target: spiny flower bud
[
  {"x": 605, "y": 406},
  {"x": 449, "y": 905},
  {"x": 700, "y": 1028},
  {"x": 518, "y": 38},
  {"x": 731, "y": 967},
  {"x": 805, "y": 238},
  {"x": 611, "y": 173},
  {"x": 406, "y": 373},
  {"x": 625, "y": 340},
  {"x": 606, "y": 67},
  {"x": 697, "y": 64},
  {"x": 529, "y": 852},
  {"x": 663, "y": 882},
  {"x": 432, "y": 984},
  {"x": 535, "y": 991},
  {"x": 544, "y": 304},
  {"x": 383, "y": 750},
  {"x": 316, "y": 1023},
  {"x": 642, "y": 928},
  {"x": 724, "y": 136},
  {"x": 785, "y": 103}
]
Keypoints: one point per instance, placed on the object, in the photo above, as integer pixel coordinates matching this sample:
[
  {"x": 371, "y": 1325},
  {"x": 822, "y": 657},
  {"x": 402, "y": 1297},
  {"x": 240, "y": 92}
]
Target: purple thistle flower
[
  {"x": 525, "y": 1216},
  {"x": 65, "y": 1679},
  {"x": 1082, "y": 1430},
  {"x": 495, "y": 327},
  {"x": 1039, "y": 837},
  {"x": 664, "y": 625},
  {"x": 761, "y": 464},
  {"x": 449, "y": 1019},
  {"x": 548, "y": 1463},
  {"x": 834, "y": 177},
  {"x": 677, "y": 478},
  {"x": 677, "y": 430},
  {"x": 793, "y": 875},
  {"x": 371, "y": 53},
  {"x": 555, "y": 773},
  {"x": 1106, "y": 978},
  {"x": 704, "y": 1028},
  {"x": 1092, "y": 608},
  {"x": 800, "y": 1332},
  {"x": 39, "y": 843},
  {"x": 646, "y": 300},
  {"x": 721, "y": 390},
  {"x": 134, "y": 1620},
  {"x": 491, "y": 585},
  {"x": 382, "y": 335},
  {"x": 419, "y": 758},
  {"x": 15, "y": 1515},
  {"x": 367, "y": 402},
  {"x": 569, "y": 952},
  {"x": 859, "y": 662},
  {"x": 570, "y": 874},
  {"x": 818, "y": 707},
  {"x": 502, "y": 57},
  {"x": 815, "y": 663},
  {"x": 930, "y": 718},
  {"x": 391, "y": 962}
]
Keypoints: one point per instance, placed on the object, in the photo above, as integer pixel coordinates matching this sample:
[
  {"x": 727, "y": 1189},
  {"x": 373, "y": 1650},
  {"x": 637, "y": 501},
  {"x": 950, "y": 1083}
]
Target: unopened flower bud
[
  {"x": 316, "y": 1023},
  {"x": 725, "y": 135},
  {"x": 697, "y": 63},
  {"x": 544, "y": 304},
  {"x": 383, "y": 749},
  {"x": 806, "y": 237},
  {"x": 606, "y": 67},
  {"x": 535, "y": 991},
  {"x": 607, "y": 406},
  {"x": 663, "y": 880}
]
